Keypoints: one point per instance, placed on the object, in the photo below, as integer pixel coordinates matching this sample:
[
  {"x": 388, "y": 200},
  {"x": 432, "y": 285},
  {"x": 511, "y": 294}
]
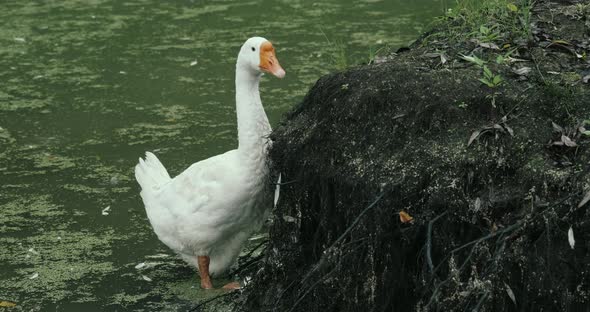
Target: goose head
[{"x": 257, "y": 56}]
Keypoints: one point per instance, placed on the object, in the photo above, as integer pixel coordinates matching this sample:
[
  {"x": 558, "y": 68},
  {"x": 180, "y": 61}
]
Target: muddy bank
[{"x": 493, "y": 172}]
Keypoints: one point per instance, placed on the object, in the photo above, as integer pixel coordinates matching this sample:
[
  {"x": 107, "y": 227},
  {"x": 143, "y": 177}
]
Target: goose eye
[{"x": 253, "y": 49}]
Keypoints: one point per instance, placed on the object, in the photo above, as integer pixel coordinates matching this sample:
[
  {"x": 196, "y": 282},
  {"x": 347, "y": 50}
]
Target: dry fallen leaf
[
  {"x": 523, "y": 71},
  {"x": 404, "y": 217},
  {"x": 489, "y": 45},
  {"x": 570, "y": 237},
  {"x": 585, "y": 200},
  {"x": 474, "y": 136},
  {"x": 556, "y": 127},
  {"x": 509, "y": 129},
  {"x": 510, "y": 293},
  {"x": 277, "y": 191},
  {"x": 567, "y": 141}
]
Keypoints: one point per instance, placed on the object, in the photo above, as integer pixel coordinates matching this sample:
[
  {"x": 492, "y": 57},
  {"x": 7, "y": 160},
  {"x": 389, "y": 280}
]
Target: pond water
[{"x": 87, "y": 86}]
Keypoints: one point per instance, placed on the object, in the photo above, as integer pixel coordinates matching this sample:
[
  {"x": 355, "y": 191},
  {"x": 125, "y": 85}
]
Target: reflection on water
[{"x": 88, "y": 86}]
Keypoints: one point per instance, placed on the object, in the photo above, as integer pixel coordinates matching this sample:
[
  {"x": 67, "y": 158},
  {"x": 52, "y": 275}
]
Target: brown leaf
[
  {"x": 474, "y": 136},
  {"x": 404, "y": 217},
  {"x": 585, "y": 200}
]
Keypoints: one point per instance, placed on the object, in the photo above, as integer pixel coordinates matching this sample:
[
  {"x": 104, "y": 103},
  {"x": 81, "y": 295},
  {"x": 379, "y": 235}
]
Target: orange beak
[{"x": 268, "y": 60}]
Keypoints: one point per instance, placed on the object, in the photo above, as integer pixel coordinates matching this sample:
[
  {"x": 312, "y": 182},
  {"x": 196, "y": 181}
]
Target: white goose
[{"x": 207, "y": 212}]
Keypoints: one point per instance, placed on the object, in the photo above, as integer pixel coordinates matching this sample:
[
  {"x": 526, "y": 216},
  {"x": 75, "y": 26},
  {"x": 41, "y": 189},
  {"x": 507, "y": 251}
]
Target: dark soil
[{"x": 492, "y": 177}]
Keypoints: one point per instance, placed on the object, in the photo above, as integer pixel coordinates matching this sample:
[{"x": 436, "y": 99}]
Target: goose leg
[{"x": 204, "y": 272}]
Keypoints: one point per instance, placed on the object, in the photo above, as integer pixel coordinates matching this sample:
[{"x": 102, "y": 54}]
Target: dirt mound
[{"x": 493, "y": 172}]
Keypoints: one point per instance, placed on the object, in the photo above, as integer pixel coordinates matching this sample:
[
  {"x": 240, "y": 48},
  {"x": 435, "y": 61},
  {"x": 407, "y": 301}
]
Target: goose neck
[{"x": 253, "y": 126}]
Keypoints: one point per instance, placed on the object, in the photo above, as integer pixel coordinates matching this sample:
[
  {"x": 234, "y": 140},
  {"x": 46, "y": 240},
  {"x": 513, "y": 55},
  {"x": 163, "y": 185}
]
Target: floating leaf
[
  {"x": 7, "y": 304},
  {"x": 474, "y": 136},
  {"x": 585, "y": 200},
  {"x": 570, "y": 237},
  {"x": 106, "y": 210},
  {"x": 158, "y": 256},
  {"x": 140, "y": 266},
  {"x": 404, "y": 217}
]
